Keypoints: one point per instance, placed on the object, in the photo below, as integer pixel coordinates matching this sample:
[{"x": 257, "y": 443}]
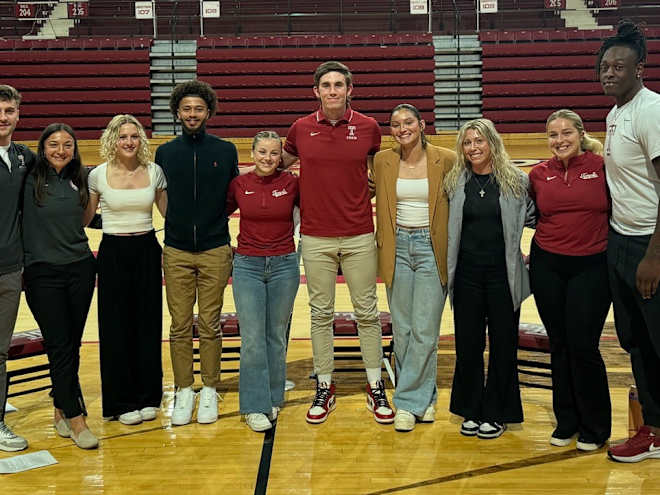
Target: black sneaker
[
  {"x": 490, "y": 429},
  {"x": 469, "y": 428}
]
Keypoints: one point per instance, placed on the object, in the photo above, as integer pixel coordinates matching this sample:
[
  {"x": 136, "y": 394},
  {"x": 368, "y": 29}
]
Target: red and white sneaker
[
  {"x": 643, "y": 445},
  {"x": 377, "y": 404},
  {"x": 323, "y": 405}
]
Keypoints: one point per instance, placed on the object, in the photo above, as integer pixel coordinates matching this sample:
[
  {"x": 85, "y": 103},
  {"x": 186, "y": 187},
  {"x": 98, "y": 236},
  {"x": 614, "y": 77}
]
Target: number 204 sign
[{"x": 25, "y": 10}]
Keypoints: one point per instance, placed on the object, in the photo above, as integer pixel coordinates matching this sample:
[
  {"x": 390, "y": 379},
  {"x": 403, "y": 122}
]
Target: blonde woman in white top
[{"x": 126, "y": 187}]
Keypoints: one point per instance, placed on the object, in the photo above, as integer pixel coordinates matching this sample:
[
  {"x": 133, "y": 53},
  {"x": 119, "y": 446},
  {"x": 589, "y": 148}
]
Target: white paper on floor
[{"x": 26, "y": 462}]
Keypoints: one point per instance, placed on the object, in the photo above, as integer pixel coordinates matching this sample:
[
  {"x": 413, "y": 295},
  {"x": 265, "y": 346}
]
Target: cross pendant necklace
[{"x": 482, "y": 193}]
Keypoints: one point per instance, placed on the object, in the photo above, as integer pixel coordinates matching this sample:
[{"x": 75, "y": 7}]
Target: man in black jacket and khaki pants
[{"x": 197, "y": 257}]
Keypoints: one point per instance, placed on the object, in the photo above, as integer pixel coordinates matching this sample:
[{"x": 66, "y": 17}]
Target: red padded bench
[
  {"x": 25, "y": 345},
  {"x": 344, "y": 327},
  {"x": 228, "y": 328},
  {"x": 532, "y": 337}
]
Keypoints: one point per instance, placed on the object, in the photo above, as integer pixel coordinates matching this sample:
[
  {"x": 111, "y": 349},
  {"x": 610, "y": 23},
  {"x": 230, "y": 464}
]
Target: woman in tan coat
[{"x": 412, "y": 212}]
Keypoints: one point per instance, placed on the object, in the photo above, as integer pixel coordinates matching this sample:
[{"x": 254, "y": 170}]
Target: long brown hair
[{"x": 73, "y": 171}]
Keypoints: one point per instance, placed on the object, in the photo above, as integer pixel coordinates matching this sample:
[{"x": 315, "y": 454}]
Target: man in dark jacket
[
  {"x": 197, "y": 257},
  {"x": 15, "y": 160}
]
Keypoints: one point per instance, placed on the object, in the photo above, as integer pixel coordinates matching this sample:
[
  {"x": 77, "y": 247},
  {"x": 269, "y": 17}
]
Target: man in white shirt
[{"x": 632, "y": 160}]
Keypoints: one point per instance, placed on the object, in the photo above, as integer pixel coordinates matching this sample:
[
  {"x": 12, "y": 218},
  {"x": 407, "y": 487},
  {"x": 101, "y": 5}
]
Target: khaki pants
[
  {"x": 200, "y": 276},
  {"x": 358, "y": 259}
]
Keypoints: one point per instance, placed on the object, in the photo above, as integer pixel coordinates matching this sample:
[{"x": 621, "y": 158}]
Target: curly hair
[
  {"x": 627, "y": 34},
  {"x": 110, "y": 137},
  {"x": 194, "y": 87},
  {"x": 587, "y": 143},
  {"x": 73, "y": 171},
  {"x": 9, "y": 93},
  {"x": 507, "y": 176}
]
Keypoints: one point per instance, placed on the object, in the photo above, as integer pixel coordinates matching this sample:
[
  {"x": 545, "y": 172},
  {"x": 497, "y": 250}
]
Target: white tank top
[
  {"x": 412, "y": 202},
  {"x": 125, "y": 211}
]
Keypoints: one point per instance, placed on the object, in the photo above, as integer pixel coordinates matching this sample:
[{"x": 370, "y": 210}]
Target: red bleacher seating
[
  {"x": 263, "y": 87},
  {"x": 524, "y": 81},
  {"x": 82, "y": 82}
]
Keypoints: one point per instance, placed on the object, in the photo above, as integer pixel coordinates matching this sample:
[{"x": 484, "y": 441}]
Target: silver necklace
[{"x": 483, "y": 186}]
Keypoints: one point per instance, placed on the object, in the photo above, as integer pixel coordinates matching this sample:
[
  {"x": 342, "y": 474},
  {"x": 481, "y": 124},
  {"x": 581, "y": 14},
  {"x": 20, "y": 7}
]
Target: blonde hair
[
  {"x": 110, "y": 137},
  {"x": 265, "y": 135},
  {"x": 587, "y": 143},
  {"x": 507, "y": 176}
]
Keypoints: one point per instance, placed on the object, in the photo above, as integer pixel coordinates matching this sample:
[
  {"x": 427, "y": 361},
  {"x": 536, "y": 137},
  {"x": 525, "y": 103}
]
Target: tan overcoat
[{"x": 386, "y": 172}]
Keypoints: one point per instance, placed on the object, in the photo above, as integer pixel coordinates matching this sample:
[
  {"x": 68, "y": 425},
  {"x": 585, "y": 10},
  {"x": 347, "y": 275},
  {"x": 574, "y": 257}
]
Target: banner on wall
[
  {"x": 144, "y": 10},
  {"x": 488, "y": 6},
  {"x": 419, "y": 7},
  {"x": 210, "y": 9}
]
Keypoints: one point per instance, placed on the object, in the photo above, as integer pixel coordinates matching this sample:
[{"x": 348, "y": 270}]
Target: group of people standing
[{"x": 448, "y": 223}]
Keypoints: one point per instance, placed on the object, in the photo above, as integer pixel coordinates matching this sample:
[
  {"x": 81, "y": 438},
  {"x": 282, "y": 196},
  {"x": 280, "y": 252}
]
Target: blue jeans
[
  {"x": 265, "y": 288},
  {"x": 416, "y": 301}
]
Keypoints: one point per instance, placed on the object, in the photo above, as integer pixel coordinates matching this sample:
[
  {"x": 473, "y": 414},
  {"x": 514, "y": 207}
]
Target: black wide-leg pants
[{"x": 130, "y": 309}]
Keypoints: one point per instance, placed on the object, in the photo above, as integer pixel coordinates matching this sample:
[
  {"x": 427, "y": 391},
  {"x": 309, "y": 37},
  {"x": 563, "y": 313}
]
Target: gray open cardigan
[{"x": 516, "y": 214}]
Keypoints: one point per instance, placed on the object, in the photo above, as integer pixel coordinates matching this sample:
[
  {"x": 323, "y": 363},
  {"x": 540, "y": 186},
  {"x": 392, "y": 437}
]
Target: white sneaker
[
  {"x": 273, "y": 415},
  {"x": 490, "y": 429},
  {"x": 9, "y": 441},
  {"x": 207, "y": 411},
  {"x": 258, "y": 422},
  {"x": 586, "y": 446},
  {"x": 148, "y": 413},
  {"x": 429, "y": 415},
  {"x": 184, "y": 403},
  {"x": 130, "y": 418},
  {"x": 404, "y": 420}
]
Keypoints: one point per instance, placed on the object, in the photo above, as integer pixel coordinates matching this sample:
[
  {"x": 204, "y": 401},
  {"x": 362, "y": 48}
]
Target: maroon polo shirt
[
  {"x": 573, "y": 205},
  {"x": 266, "y": 204},
  {"x": 334, "y": 192}
]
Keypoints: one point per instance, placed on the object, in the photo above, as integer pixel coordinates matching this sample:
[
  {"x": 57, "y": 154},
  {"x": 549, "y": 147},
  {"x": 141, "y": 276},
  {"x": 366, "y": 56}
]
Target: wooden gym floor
[{"x": 349, "y": 454}]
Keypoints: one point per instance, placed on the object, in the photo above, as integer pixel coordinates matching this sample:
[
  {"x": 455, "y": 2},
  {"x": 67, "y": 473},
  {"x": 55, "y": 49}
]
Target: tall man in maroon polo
[{"x": 335, "y": 145}]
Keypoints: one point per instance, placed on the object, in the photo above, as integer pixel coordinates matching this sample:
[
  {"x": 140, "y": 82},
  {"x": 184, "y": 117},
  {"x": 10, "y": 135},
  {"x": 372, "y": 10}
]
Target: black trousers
[
  {"x": 482, "y": 297},
  {"x": 130, "y": 309},
  {"x": 573, "y": 296},
  {"x": 637, "y": 320},
  {"x": 59, "y": 297}
]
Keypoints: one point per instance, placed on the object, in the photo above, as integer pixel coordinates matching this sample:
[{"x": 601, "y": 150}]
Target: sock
[
  {"x": 373, "y": 376},
  {"x": 324, "y": 378}
]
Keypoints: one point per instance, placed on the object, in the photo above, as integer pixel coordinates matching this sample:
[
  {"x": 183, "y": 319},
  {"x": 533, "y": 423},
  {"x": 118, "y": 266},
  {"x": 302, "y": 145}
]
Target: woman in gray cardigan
[{"x": 488, "y": 280}]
